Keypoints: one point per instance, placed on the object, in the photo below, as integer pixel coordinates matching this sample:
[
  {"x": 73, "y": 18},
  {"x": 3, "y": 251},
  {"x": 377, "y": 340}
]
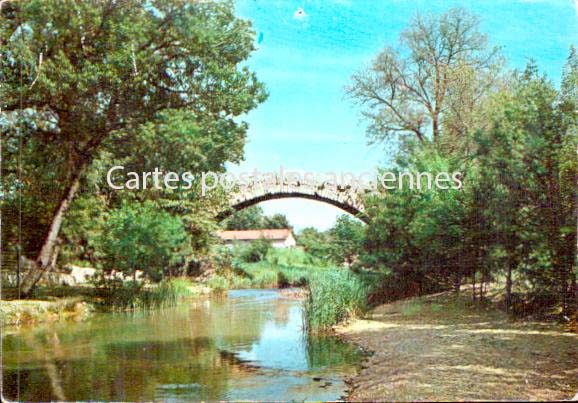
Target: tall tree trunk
[
  {"x": 435, "y": 127},
  {"x": 46, "y": 258},
  {"x": 474, "y": 286},
  {"x": 509, "y": 286},
  {"x": 565, "y": 261}
]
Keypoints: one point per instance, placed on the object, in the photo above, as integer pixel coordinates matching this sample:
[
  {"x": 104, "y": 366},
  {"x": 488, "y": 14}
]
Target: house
[{"x": 280, "y": 238}]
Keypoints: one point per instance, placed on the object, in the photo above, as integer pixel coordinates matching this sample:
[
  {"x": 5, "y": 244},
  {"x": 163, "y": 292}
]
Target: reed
[
  {"x": 134, "y": 296},
  {"x": 334, "y": 296}
]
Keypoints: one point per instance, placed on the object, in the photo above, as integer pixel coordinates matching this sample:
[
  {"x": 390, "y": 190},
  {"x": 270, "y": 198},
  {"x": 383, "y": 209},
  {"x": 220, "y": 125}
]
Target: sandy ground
[{"x": 434, "y": 348}]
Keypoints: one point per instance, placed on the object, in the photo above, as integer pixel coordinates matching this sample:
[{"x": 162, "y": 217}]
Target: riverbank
[
  {"x": 441, "y": 348},
  {"x": 77, "y": 303},
  {"x": 19, "y": 312},
  {"x": 247, "y": 345}
]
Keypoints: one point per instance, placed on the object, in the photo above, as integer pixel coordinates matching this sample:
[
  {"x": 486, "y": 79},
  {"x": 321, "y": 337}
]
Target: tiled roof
[{"x": 248, "y": 235}]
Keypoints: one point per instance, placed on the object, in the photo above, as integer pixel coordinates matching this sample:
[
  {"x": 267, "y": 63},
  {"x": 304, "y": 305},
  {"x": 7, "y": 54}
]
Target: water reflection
[{"x": 248, "y": 346}]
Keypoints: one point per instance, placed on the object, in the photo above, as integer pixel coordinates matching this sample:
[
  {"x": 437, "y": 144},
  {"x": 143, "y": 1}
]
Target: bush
[
  {"x": 143, "y": 237},
  {"x": 256, "y": 251}
]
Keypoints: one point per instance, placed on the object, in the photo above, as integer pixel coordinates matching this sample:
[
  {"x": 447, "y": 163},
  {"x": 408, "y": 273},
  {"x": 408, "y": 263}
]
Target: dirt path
[{"x": 434, "y": 348}]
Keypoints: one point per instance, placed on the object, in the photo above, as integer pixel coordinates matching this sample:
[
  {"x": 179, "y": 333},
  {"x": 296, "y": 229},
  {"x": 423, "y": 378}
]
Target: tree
[
  {"x": 249, "y": 218},
  {"x": 256, "y": 251},
  {"x": 254, "y": 218},
  {"x": 277, "y": 221},
  {"x": 142, "y": 237},
  {"x": 514, "y": 216},
  {"x": 441, "y": 62},
  {"x": 75, "y": 73},
  {"x": 567, "y": 167},
  {"x": 172, "y": 141},
  {"x": 417, "y": 235},
  {"x": 529, "y": 154},
  {"x": 513, "y": 138},
  {"x": 347, "y": 237},
  {"x": 315, "y": 243}
]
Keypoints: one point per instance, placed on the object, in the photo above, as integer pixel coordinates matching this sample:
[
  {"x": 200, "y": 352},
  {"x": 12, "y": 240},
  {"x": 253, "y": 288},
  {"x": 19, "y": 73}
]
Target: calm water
[{"x": 248, "y": 346}]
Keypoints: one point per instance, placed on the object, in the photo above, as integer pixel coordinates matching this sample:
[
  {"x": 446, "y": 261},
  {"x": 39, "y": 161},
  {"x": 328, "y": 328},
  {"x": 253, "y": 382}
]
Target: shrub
[
  {"x": 141, "y": 236},
  {"x": 256, "y": 251}
]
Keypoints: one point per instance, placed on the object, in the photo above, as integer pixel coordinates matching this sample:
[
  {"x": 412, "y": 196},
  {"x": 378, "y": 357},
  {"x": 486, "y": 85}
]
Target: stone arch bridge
[{"x": 344, "y": 197}]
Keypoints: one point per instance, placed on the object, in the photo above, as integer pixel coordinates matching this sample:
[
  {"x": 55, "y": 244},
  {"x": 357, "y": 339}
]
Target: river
[{"x": 249, "y": 345}]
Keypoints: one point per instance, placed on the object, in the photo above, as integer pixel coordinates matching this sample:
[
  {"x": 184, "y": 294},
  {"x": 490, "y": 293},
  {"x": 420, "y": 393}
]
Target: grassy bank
[
  {"x": 77, "y": 303},
  {"x": 134, "y": 296},
  {"x": 19, "y": 312},
  {"x": 280, "y": 268},
  {"x": 334, "y": 294}
]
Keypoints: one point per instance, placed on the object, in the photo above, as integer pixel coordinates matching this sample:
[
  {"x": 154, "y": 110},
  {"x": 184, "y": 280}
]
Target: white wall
[{"x": 287, "y": 243}]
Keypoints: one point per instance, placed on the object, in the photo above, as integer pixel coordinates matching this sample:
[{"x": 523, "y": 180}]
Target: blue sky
[{"x": 308, "y": 50}]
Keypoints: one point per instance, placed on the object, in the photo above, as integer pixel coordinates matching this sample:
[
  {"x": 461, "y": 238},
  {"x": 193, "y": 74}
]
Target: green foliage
[
  {"x": 141, "y": 237},
  {"x": 291, "y": 257},
  {"x": 525, "y": 159},
  {"x": 133, "y": 295},
  {"x": 315, "y": 243},
  {"x": 512, "y": 218},
  {"x": 218, "y": 283},
  {"x": 418, "y": 234},
  {"x": 266, "y": 278},
  {"x": 442, "y": 66},
  {"x": 281, "y": 267},
  {"x": 347, "y": 237},
  {"x": 253, "y": 218},
  {"x": 277, "y": 221},
  {"x": 512, "y": 136},
  {"x": 334, "y": 296},
  {"x": 159, "y": 82},
  {"x": 249, "y": 218},
  {"x": 282, "y": 280},
  {"x": 255, "y": 251},
  {"x": 341, "y": 244},
  {"x": 22, "y": 312}
]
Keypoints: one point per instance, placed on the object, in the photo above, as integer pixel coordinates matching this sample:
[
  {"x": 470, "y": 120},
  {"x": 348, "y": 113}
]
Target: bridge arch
[{"x": 343, "y": 197}]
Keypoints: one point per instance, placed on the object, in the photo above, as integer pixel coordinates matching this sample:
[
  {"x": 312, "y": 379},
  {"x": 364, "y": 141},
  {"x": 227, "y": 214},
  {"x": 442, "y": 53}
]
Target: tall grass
[
  {"x": 279, "y": 268},
  {"x": 292, "y": 257},
  {"x": 267, "y": 275},
  {"x": 334, "y": 296},
  {"x": 260, "y": 275},
  {"x": 134, "y": 296}
]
